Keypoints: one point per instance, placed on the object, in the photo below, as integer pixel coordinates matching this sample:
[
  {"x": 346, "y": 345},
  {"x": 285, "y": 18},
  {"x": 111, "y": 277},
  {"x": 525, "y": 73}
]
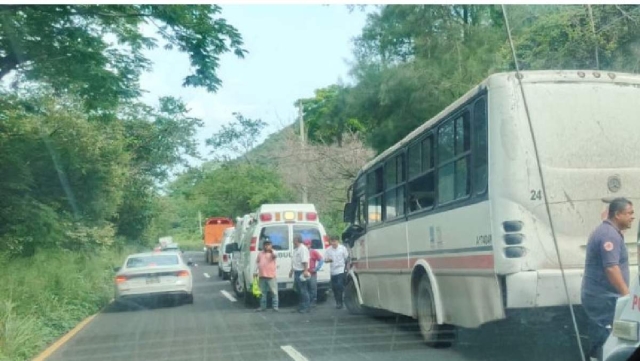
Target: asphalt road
[{"x": 216, "y": 328}]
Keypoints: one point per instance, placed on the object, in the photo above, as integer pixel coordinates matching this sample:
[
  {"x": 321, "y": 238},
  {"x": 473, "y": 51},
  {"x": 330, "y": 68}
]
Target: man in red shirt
[
  {"x": 266, "y": 261},
  {"x": 315, "y": 262}
]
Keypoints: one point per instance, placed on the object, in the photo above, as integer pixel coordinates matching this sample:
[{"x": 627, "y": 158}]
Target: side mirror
[
  {"x": 348, "y": 213},
  {"x": 190, "y": 262},
  {"x": 117, "y": 269},
  {"x": 350, "y": 234}
]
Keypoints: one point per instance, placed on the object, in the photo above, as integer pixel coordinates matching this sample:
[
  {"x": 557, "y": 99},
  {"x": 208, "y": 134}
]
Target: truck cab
[{"x": 214, "y": 228}]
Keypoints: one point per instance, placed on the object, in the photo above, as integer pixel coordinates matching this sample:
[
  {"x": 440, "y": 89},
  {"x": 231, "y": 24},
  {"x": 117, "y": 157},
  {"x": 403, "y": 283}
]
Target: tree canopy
[
  {"x": 82, "y": 158},
  {"x": 414, "y": 60},
  {"x": 95, "y": 52}
]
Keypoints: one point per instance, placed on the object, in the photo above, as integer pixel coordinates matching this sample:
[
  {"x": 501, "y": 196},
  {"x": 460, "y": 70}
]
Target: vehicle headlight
[{"x": 627, "y": 330}]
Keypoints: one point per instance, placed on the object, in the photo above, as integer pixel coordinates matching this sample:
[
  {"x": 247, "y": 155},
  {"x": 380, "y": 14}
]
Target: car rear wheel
[
  {"x": 219, "y": 272},
  {"x": 238, "y": 287},
  {"x": 434, "y": 334}
]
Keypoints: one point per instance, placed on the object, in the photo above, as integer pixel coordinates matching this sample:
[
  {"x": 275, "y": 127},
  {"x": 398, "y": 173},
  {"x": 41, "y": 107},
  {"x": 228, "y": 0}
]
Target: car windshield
[{"x": 152, "y": 261}]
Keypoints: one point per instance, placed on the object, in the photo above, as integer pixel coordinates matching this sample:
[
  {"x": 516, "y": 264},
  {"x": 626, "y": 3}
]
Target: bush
[{"x": 44, "y": 296}]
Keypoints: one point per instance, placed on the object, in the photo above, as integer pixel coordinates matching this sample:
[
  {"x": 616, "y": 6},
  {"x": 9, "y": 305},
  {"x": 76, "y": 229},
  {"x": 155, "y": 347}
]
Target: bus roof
[{"x": 538, "y": 76}]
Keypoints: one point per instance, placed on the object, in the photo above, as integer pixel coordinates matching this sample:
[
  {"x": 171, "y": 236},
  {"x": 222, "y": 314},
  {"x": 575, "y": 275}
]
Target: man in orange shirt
[{"x": 267, "y": 272}]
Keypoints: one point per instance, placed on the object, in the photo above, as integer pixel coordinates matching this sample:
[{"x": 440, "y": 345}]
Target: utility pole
[
  {"x": 200, "y": 223},
  {"x": 304, "y": 160},
  {"x": 595, "y": 37}
]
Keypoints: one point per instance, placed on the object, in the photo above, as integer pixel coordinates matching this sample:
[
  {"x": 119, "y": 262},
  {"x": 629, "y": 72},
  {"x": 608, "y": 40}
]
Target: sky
[{"x": 293, "y": 50}]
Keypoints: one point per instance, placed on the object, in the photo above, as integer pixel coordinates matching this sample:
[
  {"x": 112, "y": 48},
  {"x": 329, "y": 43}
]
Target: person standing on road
[
  {"x": 266, "y": 261},
  {"x": 300, "y": 268},
  {"x": 606, "y": 274},
  {"x": 338, "y": 256},
  {"x": 315, "y": 263}
]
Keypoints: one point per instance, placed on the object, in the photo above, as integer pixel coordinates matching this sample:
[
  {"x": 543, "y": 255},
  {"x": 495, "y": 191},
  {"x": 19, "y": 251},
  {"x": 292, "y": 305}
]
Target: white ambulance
[{"x": 280, "y": 223}]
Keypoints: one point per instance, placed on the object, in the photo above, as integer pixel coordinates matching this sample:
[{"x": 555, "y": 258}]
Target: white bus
[{"x": 464, "y": 236}]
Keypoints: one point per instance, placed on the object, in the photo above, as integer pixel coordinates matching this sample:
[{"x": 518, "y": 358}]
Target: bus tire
[
  {"x": 435, "y": 335},
  {"x": 351, "y": 299}
]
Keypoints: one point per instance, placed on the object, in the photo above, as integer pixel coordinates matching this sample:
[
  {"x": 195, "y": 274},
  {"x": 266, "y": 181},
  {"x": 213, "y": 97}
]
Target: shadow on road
[
  {"x": 142, "y": 304},
  {"x": 506, "y": 340}
]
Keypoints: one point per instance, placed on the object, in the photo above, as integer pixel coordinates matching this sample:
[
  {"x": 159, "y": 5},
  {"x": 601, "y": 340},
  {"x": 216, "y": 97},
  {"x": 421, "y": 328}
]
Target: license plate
[{"x": 153, "y": 279}]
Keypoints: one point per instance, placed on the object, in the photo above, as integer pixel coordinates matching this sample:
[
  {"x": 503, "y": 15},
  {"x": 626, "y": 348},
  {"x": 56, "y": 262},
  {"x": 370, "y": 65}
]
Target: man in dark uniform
[{"x": 606, "y": 273}]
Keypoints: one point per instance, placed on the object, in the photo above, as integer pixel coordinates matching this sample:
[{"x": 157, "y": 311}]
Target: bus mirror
[
  {"x": 348, "y": 215},
  {"x": 351, "y": 234}
]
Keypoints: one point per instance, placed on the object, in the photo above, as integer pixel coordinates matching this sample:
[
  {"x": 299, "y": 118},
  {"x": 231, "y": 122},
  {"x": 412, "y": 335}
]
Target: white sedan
[{"x": 154, "y": 274}]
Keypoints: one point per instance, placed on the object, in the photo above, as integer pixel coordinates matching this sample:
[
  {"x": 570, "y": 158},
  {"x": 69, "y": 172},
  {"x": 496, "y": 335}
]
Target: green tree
[
  {"x": 327, "y": 117},
  {"x": 237, "y": 138},
  {"x": 66, "y": 46},
  {"x": 563, "y": 37},
  {"x": 59, "y": 171}
]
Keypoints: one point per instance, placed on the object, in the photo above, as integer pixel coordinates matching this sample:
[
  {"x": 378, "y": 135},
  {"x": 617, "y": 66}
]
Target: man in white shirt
[
  {"x": 337, "y": 256},
  {"x": 300, "y": 273}
]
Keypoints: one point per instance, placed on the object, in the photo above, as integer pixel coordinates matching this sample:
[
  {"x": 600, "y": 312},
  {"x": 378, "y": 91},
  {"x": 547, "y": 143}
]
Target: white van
[
  {"x": 279, "y": 222},
  {"x": 242, "y": 225},
  {"x": 224, "y": 265}
]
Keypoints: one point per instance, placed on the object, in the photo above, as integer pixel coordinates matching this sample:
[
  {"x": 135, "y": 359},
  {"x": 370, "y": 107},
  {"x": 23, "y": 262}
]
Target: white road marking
[
  {"x": 206, "y": 275},
  {"x": 293, "y": 353},
  {"x": 228, "y": 295}
]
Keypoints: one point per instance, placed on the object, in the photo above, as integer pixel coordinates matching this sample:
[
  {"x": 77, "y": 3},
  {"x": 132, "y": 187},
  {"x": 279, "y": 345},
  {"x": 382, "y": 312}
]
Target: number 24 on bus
[{"x": 472, "y": 174}]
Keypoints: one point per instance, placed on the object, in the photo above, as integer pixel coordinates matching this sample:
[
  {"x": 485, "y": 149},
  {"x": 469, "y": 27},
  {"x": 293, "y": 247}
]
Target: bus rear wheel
[{"x": 435, "y": 335}]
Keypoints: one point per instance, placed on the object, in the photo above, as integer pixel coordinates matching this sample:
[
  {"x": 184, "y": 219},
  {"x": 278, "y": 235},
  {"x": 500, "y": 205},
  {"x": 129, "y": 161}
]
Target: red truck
[{"x": 213, "y": 234}]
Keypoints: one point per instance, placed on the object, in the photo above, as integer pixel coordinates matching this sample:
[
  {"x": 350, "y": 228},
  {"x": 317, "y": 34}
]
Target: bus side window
[
  {"x": 480, "y": 151},
  {"x": 394, "y": 187},
  {"x": 361, "y": 216},
  {"x": 454, "y": 149},
  {"x": 375, "y": 191},
  {"x": 422, "y": 185}
]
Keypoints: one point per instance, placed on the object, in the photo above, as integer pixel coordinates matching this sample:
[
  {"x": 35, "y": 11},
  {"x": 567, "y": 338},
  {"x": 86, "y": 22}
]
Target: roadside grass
[{"x": 44, "y": 296}]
